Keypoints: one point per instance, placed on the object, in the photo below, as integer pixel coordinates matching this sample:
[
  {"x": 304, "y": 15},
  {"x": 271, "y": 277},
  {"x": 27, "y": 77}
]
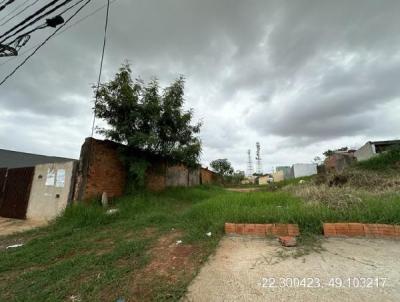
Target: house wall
[
  {"x": 300, "y": 170},
  {"x": 278, "y": 176},
  {"x": 287, "y": 171},
  {"x": 263, "y": 180},
  {"x": 365, "y": 152},
  {"x": 46, "y": 200}
]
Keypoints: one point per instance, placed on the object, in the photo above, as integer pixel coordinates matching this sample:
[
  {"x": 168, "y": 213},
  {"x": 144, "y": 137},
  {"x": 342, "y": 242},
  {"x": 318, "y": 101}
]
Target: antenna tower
[
  {"x": 249, "y": 164},
  {"x": 258, "y": 160}
]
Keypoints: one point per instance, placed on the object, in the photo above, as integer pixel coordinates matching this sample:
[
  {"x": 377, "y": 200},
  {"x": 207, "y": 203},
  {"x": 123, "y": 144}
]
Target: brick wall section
[
  {"x": 155, "y": 177},
  {"x": 277, "y": 229},
  {"x": 101, "y": 170},
  {"x": 105, "y": 171},
  {"x": 208, "y": 177},
  {"x": 361, "y": 230}
]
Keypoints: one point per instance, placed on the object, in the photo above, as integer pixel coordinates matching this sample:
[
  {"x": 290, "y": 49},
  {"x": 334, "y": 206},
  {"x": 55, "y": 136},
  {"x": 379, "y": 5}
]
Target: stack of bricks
[
  {"x": 361, "y": 230},
  {"x": 262, "y": 229}
]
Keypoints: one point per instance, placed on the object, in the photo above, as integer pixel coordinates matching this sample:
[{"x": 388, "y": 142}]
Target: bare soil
[{"x": 236, "y": 271}]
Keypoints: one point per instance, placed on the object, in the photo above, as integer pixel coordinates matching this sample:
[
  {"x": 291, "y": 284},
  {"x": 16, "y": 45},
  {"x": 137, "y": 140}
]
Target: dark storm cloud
[{"x": 287, "y": 73}]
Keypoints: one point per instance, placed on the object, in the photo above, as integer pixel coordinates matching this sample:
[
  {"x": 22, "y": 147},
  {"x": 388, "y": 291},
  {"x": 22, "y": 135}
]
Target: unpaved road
[
  {"x": 10, "y": 226},
  {"x": 236, "y": 272}
]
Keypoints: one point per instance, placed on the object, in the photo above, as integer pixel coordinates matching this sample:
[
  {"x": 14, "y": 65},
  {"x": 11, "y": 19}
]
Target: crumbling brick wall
[
  {"x": 100, "y": 170},
  {"x": 208, "y": 177}
]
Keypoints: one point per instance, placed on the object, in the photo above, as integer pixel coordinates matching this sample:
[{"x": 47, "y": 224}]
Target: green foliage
[
  {"x": 145, "y": 118},
  {"x": 95, "y": 256},
  {"x": 389, "y": 160},
  {"x": 222, "y": 166}
]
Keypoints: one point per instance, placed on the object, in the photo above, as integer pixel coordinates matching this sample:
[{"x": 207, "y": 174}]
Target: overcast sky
[{"x": 300, "y": 77}]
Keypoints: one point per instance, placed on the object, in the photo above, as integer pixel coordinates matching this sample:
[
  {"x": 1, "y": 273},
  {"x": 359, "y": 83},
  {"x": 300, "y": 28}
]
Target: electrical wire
[
  {"x": 43, "y": 43},
  {"x": 6, "y": 4},
  {"x": 101, "y": 63},
  {"x": 15, "y": 9},
  {"x": 39, "y": 11},
  {"x": 17, "y": 14},
  {"x": 38, "y": 18},
  {"x": 43, "y": 25},
  {"x": 62, "y": 31}
]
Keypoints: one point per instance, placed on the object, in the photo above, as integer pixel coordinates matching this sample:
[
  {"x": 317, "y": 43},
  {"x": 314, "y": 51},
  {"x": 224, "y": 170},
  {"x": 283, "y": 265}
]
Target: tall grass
[
  {"x": 384, "y": 161},
  {"x": 89, "y": 252}
]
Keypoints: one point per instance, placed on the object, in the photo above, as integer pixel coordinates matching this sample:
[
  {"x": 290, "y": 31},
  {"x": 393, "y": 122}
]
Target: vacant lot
[{"x": 155, "y": 245}]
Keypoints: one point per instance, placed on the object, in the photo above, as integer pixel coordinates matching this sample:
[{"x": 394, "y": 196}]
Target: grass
[
  {"x": 98, "y": 257},
  {"x": 385, "y": 161}
]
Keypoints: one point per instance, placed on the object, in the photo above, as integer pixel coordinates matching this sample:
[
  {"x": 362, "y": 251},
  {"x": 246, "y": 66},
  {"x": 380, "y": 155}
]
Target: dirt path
[
  {"x": 243, "y": 189},
  {"x": 237, "y": 270},
  {"x": 10, "y": 226}
]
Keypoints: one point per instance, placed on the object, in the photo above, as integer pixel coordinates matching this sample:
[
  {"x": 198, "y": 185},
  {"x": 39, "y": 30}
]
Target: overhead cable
[{"x": 43, "y": 43}]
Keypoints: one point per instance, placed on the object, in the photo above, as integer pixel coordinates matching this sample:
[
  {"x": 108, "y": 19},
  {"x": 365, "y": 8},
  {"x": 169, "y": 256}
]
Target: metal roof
[
  {"x": 15, "y": 159},
  {"x": 391, "y": 142}
]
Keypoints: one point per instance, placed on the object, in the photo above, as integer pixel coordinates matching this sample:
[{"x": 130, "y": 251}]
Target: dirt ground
[
  {"x": 250, "y": 269},
  {"x": 243, "y": 189},
  {"x": 10, "y": 226}
]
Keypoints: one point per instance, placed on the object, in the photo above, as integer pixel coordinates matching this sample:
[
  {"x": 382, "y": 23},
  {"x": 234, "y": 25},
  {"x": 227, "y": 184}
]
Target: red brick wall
[
  {"x": 100, "y": 170},
  {"x": 155, "y": 177},
  {"x": 208, "y": 177}
]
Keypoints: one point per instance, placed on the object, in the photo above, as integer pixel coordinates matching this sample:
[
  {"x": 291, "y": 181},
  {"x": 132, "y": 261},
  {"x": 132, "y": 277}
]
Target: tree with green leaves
[
  {"x": 145, "y": 117},
  {"x": 222, "y": 166}
]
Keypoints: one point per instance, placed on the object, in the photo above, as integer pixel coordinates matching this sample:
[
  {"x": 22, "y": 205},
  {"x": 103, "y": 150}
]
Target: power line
[
  {"x": 37, "y": 19},
  {"x": 15, "y": 9},
  {"x": 43, "y": 25},
  {"x": 39, "y": 11},
  {"x": 43, "y": 43},
  {"x": 101, "y": 63},
  {"x": 6, "y": 4},
  {"x": 17, "y": 14},
  {"x": 62, "y": 31}
]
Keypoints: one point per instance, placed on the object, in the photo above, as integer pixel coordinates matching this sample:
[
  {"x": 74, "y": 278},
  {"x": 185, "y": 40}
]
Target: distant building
[
  {"x": 248, "y": 180},
  {"x": 300, "y": 170},
  {"x": 14, "y": 159},
  {"x": 278, "y": 176},
  {"x": 371, "y": 149},
  {"x": 287, "y": 171},
  {"x": 265, "y": 179},
  {"x": 339, "y": 160}
]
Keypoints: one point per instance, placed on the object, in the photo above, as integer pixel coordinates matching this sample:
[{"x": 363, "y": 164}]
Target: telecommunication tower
[
  {"x": 258, "y": 159},
  {"x": 249, "y": 164}
]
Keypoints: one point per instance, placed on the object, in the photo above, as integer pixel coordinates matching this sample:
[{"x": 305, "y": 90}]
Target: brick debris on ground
[
  {"x": 277, "y": 229},
  {"x": 361, "y": 230}
]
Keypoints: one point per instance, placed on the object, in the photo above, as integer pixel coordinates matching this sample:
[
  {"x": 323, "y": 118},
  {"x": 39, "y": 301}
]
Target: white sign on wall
[
  {"x": 60, "y": 179},
  {"x": 51, "y": 177}
]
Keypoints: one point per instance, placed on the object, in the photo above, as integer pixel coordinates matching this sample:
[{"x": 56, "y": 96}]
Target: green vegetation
[
  {"x": 133, "y": 254},
  {"x": 385, "y": 161},
  {"x": 147, "y": 119}
]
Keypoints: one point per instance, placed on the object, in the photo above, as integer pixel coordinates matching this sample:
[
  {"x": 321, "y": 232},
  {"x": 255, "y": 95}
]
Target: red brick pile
[
  {"x": 276, "y": 229},
  {"x": 361, "y": 230},
  {"x": 288, "y": 241}
]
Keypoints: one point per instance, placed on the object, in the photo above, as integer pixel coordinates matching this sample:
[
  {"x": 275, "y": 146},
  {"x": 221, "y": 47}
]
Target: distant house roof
[
  {"x": 391, "y": 142},
  {"x": 15, "y": 159}
]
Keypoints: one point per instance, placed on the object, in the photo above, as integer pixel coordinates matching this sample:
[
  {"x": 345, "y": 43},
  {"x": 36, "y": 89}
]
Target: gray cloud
[{"x": 298, "y": 76}]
